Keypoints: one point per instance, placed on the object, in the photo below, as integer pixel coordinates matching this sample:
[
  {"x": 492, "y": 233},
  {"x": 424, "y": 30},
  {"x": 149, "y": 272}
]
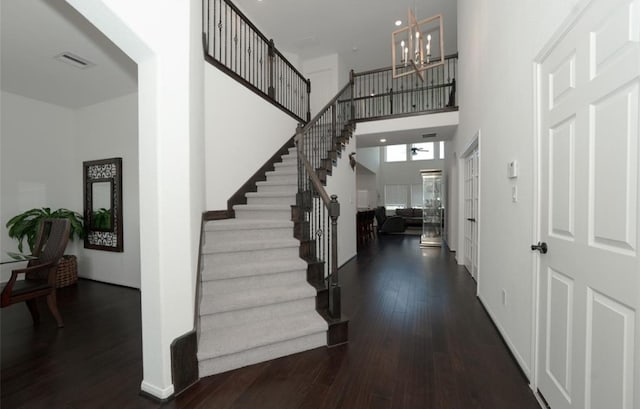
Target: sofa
[
  {"x": 412, "y": 216},
  {"x": 388, "y": 224}
]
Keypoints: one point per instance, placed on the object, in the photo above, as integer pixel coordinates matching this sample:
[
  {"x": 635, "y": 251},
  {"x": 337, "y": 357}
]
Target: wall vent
[
  {"x": 74, "y": 60},
  {"x": 429, "y": 135}
]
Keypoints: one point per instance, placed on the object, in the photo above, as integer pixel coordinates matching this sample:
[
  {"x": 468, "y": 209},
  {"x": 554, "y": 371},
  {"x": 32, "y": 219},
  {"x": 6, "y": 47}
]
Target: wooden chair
[{"x": 40, "y": 273}]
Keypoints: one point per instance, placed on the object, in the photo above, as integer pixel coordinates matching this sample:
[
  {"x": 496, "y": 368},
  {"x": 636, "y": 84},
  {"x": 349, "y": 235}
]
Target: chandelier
[{"x": 412, "y": 47}]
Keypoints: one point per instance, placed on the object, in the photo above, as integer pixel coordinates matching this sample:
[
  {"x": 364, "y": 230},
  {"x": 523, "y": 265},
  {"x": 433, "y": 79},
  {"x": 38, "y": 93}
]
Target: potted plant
[{"x": 25, "y": 226}]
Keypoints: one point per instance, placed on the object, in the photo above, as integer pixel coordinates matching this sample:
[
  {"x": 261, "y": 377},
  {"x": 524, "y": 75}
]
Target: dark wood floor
[{"x": 418, "y": 339}]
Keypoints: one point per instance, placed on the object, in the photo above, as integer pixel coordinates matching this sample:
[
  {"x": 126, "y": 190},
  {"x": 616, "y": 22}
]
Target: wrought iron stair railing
[
  {"x": 236, "y": 46},
  {"x": 319, "y": 143}
]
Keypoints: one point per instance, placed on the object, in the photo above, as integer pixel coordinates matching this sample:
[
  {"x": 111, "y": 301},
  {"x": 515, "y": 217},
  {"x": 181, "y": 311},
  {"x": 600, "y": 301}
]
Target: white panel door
[
  {"x": 589, "y": 211},
  {"x": 471, "y": 170}
]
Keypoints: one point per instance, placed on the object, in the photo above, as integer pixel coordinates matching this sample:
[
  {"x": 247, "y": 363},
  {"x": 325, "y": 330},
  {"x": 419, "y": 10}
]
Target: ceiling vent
[
  {"x": 429, "y": 135},
  {"x": 74, "y": 60}
]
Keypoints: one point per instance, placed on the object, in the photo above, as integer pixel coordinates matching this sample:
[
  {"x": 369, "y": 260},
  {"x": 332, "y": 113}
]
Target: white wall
[
  {"x": 105, "y": 130},
  {"x": 242, "y": 131},
  {"x": 368, "y": 160},
  {"x": 328, "y": 75},
  {"x": 369, "y": 157},
  {"x": 342, "y": 182},
  {"x": 497, "y": 41},
  {"x": 64, "y": 139},
  {"x": 367, "y": 188},
  {"x": 171, "y": 163},
  {"x": 36, "y": 167}
]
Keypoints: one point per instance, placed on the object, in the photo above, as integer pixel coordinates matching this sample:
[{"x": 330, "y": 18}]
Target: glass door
[{"x": 432, "y": 208}]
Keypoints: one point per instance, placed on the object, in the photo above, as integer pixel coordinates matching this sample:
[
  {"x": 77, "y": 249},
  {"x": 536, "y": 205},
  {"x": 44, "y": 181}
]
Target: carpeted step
[
  {"x": 220, "y": 231},
  {"x": 287, "y": 161},
  {"x": 288, "y": 175},
  {"x": 220, "y": 350},
  {"x": 263, "y": 212},
  {"x": 270, "y": 187},
  {"x": 251, "y": 282},
  {"x": 255, "y": 297},
  {"x": 251, "y": 267},
  {"x": 221, "y": 255},
  {"x": 282, "y": 198},
  {"x": 231, "y": 318}
]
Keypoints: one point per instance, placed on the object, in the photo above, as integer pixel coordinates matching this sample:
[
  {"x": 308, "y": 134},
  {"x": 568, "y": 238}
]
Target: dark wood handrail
[
  {"x": 253, "y": 58},
  {"x": 246, "y": 20},
  {"x": 389, "y": 68},
  {"x": 326, "y": 107},
  {"x": 317, "y": 184}
]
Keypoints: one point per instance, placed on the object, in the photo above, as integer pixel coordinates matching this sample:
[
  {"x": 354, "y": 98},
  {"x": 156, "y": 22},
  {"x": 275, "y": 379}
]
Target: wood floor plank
[{"x": 419, "y": 338}]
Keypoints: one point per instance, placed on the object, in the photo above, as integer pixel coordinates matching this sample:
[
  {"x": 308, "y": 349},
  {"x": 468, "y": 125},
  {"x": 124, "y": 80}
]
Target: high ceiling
[
  {"x": 358, "y": 30},
  {"x": 33, "y": 32}
]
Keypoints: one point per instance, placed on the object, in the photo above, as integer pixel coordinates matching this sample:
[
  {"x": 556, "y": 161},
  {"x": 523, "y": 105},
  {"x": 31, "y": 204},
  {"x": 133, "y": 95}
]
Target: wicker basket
[{"x": 67, "y": 273}]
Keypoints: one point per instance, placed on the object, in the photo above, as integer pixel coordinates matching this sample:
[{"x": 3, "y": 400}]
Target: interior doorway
[{"x": 471, "y": 202}]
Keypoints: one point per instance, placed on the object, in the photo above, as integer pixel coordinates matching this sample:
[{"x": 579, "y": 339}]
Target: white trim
[
  {"x": 473, "y": 144},
  {"x": 479, "y": 212},
  {"x": 535, "y": 265},
  {"x": 156, "y": 391}
]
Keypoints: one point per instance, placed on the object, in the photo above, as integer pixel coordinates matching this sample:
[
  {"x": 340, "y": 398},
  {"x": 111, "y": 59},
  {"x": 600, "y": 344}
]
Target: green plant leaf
[{"x": 25, "y": 225}]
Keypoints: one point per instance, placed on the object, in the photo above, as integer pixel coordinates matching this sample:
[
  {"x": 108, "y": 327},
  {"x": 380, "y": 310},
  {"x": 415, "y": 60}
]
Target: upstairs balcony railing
[
  {"x": 376, "y": 94},
  {"x": 236, "y": 46}
]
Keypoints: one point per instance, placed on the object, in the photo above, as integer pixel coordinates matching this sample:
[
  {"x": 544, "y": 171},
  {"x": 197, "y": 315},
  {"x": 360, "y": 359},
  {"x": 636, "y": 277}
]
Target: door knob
[
  {"x": 541, "y": 247},
  {"x": 471, "y": 220}
]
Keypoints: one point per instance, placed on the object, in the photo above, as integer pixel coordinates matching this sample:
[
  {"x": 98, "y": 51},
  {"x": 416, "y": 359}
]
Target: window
[
  {"x": 395, "y": 153},
  {"x": 441, "y": 149},
  {"x": 416, "y": 195},
  {"x": 395, "y": 196},
  {"x": 422, "y": 151}
]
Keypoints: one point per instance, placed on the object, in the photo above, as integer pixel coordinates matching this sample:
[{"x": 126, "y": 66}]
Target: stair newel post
[
  {"x": 271, "y": 91},
  {"x": 334, "y": 282}
]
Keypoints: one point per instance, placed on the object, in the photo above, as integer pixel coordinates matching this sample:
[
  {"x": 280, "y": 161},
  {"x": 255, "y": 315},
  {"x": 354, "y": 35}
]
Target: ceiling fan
[{"x": 414, "y": 150}]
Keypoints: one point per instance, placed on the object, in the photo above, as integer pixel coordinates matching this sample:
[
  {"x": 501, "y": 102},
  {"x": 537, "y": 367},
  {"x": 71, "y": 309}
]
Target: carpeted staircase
[{"x": 256, "y": 304}]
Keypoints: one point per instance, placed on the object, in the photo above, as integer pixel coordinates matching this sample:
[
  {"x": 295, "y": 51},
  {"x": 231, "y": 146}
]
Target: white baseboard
[
  {"x": 516, "y": 354},
  {"x": 160, "y": 393}
]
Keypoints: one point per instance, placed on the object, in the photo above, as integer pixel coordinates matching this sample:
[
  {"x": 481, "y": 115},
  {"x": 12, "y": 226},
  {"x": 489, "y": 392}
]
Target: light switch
[{"x": 512, "y": 169}]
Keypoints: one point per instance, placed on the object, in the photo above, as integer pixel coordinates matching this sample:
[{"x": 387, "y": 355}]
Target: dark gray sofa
[{"x": 412, "y": 216}]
